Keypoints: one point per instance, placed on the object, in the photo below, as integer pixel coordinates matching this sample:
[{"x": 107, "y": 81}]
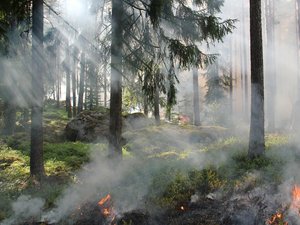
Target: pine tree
[
  {"x": 36, "y": 146},
  {"x": 257, "y": 131}
]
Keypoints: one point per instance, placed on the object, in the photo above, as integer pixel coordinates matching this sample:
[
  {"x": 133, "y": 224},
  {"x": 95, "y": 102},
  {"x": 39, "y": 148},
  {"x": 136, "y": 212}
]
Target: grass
[{"x": 171, "y": 163}]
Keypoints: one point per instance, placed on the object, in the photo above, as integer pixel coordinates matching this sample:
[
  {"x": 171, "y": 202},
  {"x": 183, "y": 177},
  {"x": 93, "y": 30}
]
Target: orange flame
[
  {"x": 105, "y": 205},
  {"x": 296, "y": 198},
  {"x": 107, "y": 209},
  {"x": 277, "y": 219},
  {"x": 104, "y": 200}
]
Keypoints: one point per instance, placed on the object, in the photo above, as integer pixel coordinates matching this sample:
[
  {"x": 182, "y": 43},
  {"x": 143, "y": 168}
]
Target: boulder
[
  {"x": 88, "y": 126},
  {"x": 92, "y": 125}
]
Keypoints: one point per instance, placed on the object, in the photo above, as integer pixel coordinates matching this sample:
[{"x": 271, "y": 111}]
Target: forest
[{"x": 149, "y": 112}]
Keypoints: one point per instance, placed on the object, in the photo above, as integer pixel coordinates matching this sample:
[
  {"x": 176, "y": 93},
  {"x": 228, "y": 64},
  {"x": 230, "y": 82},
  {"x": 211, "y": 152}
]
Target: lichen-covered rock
[
  {"x": 94, "y": 125},
  {"x": 88, "y": 126}
]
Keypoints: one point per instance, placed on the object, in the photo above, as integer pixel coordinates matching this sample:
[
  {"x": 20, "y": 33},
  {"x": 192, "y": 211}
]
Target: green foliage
[
  {"x": 243, "y": 162},
  {"x": 156, "y": 10},
  {"x": 172, "y": 186},
  {"x": 206, "y": 180},
  {"x": 66, "y": 155},
  {"x": 189, "y": 56}
]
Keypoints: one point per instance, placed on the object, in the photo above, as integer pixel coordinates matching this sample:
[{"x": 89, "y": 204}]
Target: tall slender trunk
[
  {"x": 9, "y": 116},
  {"x": 36, "y": 142},
  {"x": 146, "y": 109},
  {"x": 270, "y": 65},
  {"x": 298, "y": 50},
  {"x": 105, "y": 86},
  {"x": 245, "y": 63},
  {"x": 68, "y": 85},
  {"x": 81, "y": 83},
  {"x": 231, "y": 78},
  {"x": 74, "y": 68},
  {"x": 196, "y": 99},
  {"x": 115, "y": 123},
  {"x": 156, "y": 105},
  {"x": 91, "y": 81},
  {"x": 96, "y": 89},
  {"x": 57, "y": 70},
  {"x": 257, "y": 131}
]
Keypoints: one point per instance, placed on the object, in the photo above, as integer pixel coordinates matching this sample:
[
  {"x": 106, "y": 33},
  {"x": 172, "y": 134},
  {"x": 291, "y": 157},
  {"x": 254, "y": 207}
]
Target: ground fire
[
  {"x": 277, "y": 219},
  {"x": 295, "y": 204},
  {"x": 107, "y": 209}
]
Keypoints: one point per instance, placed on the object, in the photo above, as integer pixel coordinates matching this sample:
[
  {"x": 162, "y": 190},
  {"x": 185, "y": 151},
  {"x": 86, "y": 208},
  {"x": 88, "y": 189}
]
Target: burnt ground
[{"x": 249, "y": 208}]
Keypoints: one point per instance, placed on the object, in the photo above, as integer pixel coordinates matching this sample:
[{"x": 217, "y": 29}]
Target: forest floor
[{"x": 170, "y": 174}]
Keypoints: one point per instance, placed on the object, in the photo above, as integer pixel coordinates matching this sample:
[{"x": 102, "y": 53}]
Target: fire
[
  {"x": 107, "y": 209},
  {"x": 105, "y": 205},
  {"x": 296, "y": 198},
  {"x": 277, "y": 219}
]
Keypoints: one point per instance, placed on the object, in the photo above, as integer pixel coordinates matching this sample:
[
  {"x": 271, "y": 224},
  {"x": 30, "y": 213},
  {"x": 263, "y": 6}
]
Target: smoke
[{"x": 25, "y": 208}]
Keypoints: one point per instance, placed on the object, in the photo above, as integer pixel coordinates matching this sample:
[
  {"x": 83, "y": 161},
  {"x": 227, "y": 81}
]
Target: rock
[
  {"x": 91, "y": 125},
  {"x": 136, "y": 121},
  {"x": 88, "y": 126}
]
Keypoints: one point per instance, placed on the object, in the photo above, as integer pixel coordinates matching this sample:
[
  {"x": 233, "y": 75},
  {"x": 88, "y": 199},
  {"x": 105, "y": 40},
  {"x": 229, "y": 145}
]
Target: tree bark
[
  {"x": 36, "y": 147},
  {"x": 58, "y": 80},
  {"x": 146, "y": 109},
  {"x": 270, "y": 65},
  {"x": 81, "y": 84},
  {"x": 115, "y": 123},
  {"x": 257, "y": 131},
  {"x": 196, "y": 99},
  {"x": 231, "y": 78},
  {"x": 156, "y": 105},
  {"x": 298, "y": 50},
  {"x": 245, "y": 63},
  {"x": 74, "y": 80},
  {"x": 9, "y": 116},
  {"x": 68, "y": 84}
]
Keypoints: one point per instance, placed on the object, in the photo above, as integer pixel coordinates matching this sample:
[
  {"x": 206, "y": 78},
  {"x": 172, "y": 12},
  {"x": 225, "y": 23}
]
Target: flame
[
  {"x": 105, "y": 205},
  {"x": 182, "y": 208},
  {"x": 296, "y": 198},
  {"x": 277, "y": 219},
  {"x": 107, "y": 209}
]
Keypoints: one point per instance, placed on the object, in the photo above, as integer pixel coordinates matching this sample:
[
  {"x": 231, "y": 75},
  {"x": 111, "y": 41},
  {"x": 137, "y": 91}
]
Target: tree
[
  {"x": 270, "y": 65},
  {"x": 13, "y": 15},
  {"x": 74, "y": 68},
  {"x": 190, "y": 26},
  {"x": 196, "y": 98},
  {"x": 115, "y": 123},
  {"x": 36, "y": 145},
  {"x": 68, "y": 83},
  {"x": 257, "y": 131},
  {"x": 81, "y": 82}
]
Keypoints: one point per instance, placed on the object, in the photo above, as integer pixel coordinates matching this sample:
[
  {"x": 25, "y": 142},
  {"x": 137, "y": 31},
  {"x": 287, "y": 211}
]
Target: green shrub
[{"x": 172, "y": 186}]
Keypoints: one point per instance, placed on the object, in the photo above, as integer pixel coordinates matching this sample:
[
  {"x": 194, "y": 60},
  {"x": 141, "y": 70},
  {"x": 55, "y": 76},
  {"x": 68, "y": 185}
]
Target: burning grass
[{"x": 163, "y": 175}]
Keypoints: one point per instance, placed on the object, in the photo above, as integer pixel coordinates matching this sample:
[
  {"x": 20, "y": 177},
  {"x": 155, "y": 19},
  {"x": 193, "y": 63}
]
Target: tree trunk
[
  {"x": 68, "y": 85},
  {"x": 74, "y": 80},
  {"x": 115, "y": 123},
  {"x": 81, "y": 84},
  {"x": 9, "y": 116},
  {"x": 57, "y": 70},
  {"x": 298, "y": 50},
  {"x": 231, "y": 78},
  {"x": 36, "y": 145},
  {"x": 146, "y": 109},
  {"x": 244, "y": 64},
  {"x": 270, "y": 65},
  {"x": 105, "y": 86},
  {"x": 257, "y": 131},
  {"x": 196, "y": 102},
  {"x": 91, "y": 81},
  {"x": 156, "y": 106}
]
